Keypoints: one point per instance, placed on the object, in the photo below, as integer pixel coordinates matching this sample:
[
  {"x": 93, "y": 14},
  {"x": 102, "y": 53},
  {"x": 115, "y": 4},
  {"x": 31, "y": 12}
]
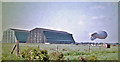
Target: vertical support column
[
  {"x": 30, "y": 38},
  {"x": 13, "y": 37},
  {"x": 3, "y": 37},
  {"x": 36, "y": 36},
  {"x": 10, "y": 36},
  {"x": 7, "y": 36}
]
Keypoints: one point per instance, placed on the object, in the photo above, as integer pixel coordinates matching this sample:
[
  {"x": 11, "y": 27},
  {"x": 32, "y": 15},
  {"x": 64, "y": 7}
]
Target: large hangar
[
  {"x": 13, "y": 35},
  {"x": 37, "y": 35},
  {"x": 41, "y": 35}
]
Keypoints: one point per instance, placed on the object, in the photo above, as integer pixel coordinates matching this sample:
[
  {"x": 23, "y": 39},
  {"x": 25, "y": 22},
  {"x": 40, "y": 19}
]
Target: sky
[{"x": 77, "y": 18}]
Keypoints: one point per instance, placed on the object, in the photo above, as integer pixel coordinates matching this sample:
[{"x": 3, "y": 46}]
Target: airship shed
[
  {"x": 13, "y": 35},
  {"x": 37, "y": 35}
]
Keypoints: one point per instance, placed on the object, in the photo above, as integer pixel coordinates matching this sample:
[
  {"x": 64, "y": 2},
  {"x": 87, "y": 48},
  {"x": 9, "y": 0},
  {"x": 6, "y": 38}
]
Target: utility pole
[
  {"x": 89, "y": 48},
  {"x": 17, "y": 48}
]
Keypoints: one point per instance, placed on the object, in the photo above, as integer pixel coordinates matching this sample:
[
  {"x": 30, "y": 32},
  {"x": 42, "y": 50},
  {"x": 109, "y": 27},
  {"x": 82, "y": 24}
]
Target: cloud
[
  {"x": 81, "y": 23},
  {"x": 97, "y": 17},
  {"x": 100, "y": 21},
  {"x": 111, "y": 4},
  {"x": 82, "y": 20},
  {"x": 98, "y": 7}
]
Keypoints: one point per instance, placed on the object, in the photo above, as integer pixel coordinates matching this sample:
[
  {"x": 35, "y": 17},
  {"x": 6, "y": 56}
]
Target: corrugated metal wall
[
  {"x": 39, "y": 35},
  {"x": 9, "y": 36},
  {"x": 36, "y": 36}
]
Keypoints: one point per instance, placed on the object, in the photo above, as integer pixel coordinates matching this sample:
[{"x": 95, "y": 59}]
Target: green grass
[
  {"x": 0, "y": 52},
  {"x": 69, "y": 50}
]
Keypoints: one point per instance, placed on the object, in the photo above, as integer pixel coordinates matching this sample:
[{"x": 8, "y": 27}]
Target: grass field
[
  {"x": 70, "y": 51},
  {"x": 0, "y": 52}
]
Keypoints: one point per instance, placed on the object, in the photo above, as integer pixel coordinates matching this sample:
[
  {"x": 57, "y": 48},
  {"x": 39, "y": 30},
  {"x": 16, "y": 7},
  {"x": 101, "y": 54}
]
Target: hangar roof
[{"x": 44, "y": 29}]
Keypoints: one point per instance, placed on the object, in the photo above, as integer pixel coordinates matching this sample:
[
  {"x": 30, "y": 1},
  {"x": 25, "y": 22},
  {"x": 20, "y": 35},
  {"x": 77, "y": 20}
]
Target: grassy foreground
[
  {"x": 0, "y": 52},
  {"x": 71, "y": 51}
]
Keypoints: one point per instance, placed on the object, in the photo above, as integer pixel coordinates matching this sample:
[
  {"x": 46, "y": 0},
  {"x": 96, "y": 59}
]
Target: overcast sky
[{"x": 78, "y": 18}]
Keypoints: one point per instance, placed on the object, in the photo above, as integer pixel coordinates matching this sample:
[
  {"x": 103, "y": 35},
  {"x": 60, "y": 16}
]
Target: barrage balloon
[{"x": 99, "y": 35}]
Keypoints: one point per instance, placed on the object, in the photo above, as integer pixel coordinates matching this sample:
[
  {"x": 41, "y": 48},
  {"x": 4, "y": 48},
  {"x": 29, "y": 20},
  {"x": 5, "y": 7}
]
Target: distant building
[
  {"x": 13, "y": 35},
  {"x": 41, "y": 35},
  {"x": 37, "y": 35}
]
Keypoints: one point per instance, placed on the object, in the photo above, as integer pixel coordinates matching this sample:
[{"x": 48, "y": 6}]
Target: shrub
[
  {"x": 79, "y": 53},
  {"x": 85, "y": 50},
  {"x": 75, "y": 53},
  {"x": 81, "y": 58},
  {"x": 64, "y": 50},
  {"x": 34, "y": 54},
  {"x": 91, "y": 57},
  {"x": 56, "y": 56},
  {"x": 109, "y": 51},
  {"x": 78, "y": 50},
  {"x": 52, "y": 49}
]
